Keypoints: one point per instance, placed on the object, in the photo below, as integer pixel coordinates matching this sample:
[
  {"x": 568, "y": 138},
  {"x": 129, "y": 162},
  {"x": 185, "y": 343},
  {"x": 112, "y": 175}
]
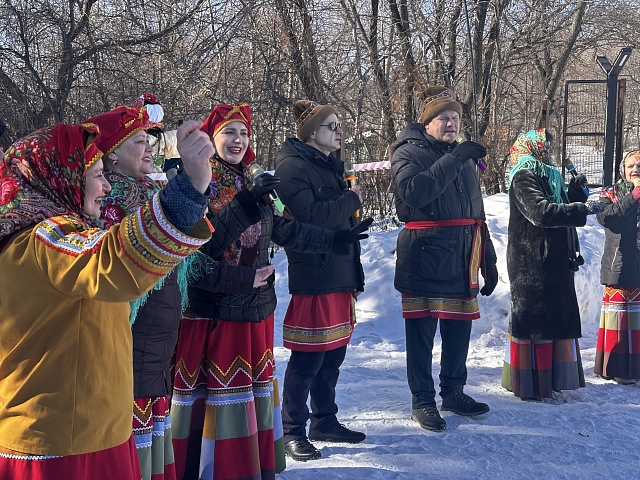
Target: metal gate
[{"x": 583, "y": 131}]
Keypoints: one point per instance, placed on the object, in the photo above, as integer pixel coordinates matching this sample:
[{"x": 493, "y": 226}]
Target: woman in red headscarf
[
  {"x": 225, "y": 409},
  {"x": 66, "y": 386}
]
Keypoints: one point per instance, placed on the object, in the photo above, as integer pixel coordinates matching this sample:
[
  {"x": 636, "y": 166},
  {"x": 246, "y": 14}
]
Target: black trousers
[
  {"x": 453, "y": 369},
  {"x": 314, "y": 373}
]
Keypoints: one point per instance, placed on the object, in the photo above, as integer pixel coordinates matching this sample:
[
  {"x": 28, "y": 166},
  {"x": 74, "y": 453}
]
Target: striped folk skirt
[
  {"x": 225, "y": 410},
  {"x": 534, "y": 369},
  {"x": 152, "y": 434},
  {"x": 119, "y": 462},
  {"x": 618, "y": 346}
]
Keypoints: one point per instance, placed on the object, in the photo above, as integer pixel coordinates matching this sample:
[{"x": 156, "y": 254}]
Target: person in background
[
  {"x": 156, "y": 315},
  {"x": 66, "y": 383},
  {"x": 543, "y": 254},
  {"x": 444, "y": 244},
  {"x": 225, "y": 409},
  {"x": 321, "y": 314},
  {"x": 618, "y": 346}
]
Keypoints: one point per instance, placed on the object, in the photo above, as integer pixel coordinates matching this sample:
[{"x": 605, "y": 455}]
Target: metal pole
[{"x": 610, "y": 128}]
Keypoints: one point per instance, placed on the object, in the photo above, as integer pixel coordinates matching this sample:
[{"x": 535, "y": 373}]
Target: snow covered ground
[{"x": 587, "y": 433}]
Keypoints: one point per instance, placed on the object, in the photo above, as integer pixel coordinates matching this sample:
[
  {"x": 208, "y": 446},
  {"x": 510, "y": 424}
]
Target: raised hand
[{"x": 195, "y": 150}]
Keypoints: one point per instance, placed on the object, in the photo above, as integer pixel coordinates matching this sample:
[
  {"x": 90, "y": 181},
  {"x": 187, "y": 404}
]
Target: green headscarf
[{"x": 530, "y": 152}]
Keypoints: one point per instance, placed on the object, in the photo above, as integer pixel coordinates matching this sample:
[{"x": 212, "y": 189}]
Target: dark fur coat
[{"x": 541, "y": 252}]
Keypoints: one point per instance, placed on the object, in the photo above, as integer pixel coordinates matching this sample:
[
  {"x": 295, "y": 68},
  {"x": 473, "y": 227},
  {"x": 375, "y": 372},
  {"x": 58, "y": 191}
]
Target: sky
[{"x": 586, "y": 433}]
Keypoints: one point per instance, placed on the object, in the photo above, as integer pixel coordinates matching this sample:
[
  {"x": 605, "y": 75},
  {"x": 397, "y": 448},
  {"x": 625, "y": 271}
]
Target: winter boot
[
  {"x": 338, "y": 433},
  {"x": 458, "y": 402},
  {"x": 429, "y": 418}
]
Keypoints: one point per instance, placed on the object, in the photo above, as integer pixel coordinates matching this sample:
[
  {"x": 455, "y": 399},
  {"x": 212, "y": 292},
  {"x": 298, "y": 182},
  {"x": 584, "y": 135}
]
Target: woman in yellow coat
[{"x": 66, "y": 386}]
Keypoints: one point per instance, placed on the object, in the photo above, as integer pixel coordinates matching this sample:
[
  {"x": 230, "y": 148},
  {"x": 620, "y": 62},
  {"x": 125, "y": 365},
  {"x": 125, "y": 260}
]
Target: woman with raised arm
[{"x": 66, "y": 384}]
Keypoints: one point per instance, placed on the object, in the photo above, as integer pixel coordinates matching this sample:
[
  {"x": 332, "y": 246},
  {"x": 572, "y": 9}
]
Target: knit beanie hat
[
  {"x": 309, "y": 116},
  {"x": 437, "y": 99}
]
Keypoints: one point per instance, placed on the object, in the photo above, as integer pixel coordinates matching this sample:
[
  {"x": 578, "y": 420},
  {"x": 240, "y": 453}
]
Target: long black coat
[
  {"x": 155, "y": 331},
  {"x": 541, "y": 249},
  {"x": 431, "y": 183},
  {"x": 314, "y": 191},
  {"x": 620, "y": 260}
]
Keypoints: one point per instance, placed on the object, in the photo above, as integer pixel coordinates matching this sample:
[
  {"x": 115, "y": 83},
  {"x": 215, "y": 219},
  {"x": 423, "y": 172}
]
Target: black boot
[
  {"x": 429, "y": 418},
  {"x": 301, "y": 449},
  {"x": 457, "y": 401},
  {"x": 338, "y": 433}
]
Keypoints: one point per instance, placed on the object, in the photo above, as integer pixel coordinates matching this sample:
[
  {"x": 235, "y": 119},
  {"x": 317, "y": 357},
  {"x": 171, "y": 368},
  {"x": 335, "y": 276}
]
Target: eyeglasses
[{"x": 333, "y": 126}]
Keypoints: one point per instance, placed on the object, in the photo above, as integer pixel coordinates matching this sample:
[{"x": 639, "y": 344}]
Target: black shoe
[
  {"x": 459, "y": 402},
  {"x": 338, "y": 433},
  {"x": 301, "y": 449},
  {"x": 624, "y": 381},
  {"x": 429, "y": 418}
]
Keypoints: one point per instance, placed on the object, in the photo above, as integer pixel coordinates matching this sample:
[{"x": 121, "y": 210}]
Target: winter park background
[{"x": 593, "y": 432}]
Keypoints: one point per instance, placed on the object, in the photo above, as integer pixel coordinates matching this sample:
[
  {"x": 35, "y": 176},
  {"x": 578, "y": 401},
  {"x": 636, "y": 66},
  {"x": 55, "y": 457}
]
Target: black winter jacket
[
  {"x": 155, "y": 330},
  {"x": 620, "y": 260},
  {"x": 226, "y": 292},
  {"x": 314, "y": 191},
  {"x": 541, "y": 251},
  {"x": 431, "y": 183}
]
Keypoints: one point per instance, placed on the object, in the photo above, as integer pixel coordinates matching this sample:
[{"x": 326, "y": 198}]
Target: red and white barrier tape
[{"x": 365, "y": 167}]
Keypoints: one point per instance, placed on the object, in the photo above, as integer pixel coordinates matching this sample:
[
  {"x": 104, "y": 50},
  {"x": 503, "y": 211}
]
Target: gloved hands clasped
[
  {"x": 264, "y": 184},
  {"x": 343, "y": 238},
  {"x": 576, "y": 187},
  {"x": 469, "y": 150},
  {"x": 490, "y": 274}
]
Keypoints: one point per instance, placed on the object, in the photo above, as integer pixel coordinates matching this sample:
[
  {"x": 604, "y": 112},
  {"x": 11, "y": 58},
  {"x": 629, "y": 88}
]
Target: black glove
[
  {"x": 490, "y": 275},
  {"x": 343, "y": 238},
  {"x": 575, "y": 190},
  {"x": 468, "y": 150},
  {"x": 263, "y": 184}
]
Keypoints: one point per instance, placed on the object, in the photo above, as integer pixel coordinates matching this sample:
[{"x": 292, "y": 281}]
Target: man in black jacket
[
  {"x": 443, "y": 245},
  {"x": 319, "y": 321}
]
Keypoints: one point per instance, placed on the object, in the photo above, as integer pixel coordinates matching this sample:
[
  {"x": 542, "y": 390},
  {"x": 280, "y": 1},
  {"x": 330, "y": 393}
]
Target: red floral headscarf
[
  {"x": 223, "y": 115},
  {"x": 117, "y": 125},
  {"x": 43, "y": 175}
]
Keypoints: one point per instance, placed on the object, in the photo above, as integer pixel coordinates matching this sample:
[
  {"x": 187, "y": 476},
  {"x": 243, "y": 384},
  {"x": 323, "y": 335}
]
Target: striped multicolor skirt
[
  {"x": 618, "y": 346},
  {"x": 534, "y": 369},
  {"x": 152, "y": 434},
  {"x": 225, "y": 409},
  {"x": 444, "y": 308},
  {"x": 119, "y": 462}
]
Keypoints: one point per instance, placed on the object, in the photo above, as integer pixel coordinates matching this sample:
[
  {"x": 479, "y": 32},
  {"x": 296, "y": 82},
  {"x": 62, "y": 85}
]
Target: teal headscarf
[{"x": 530, "y": 152}]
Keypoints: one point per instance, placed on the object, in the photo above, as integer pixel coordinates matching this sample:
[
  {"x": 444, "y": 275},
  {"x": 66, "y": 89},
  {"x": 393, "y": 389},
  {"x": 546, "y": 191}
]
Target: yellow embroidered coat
[{"x": 66, "y": 382}]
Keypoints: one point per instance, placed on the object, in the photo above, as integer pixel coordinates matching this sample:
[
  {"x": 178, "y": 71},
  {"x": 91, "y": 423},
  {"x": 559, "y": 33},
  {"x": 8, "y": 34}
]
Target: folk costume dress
[
  {"x": 618, "y": 345},
  {"x": 542, "y": 352},
  {"x": 66, "y": 385},
  {"x": 154, "y": 338},
  {"x": 225, "y": 407}
]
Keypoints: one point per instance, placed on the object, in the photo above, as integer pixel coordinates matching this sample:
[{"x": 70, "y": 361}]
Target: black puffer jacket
[
  {"x": 541, "y": 249},
  {"x": 313, "y": 189},
  {"x": 226, "y": 292},
  {"x": 155, "y": 330},
  {"x": 431, "y": 183},
  {"x": 621, "y": 259}
]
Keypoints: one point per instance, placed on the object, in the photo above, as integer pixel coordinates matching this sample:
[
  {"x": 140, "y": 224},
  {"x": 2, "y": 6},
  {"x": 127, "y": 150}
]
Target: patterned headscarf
[
  {"x": 530, "y": 152},
  {"x": 154, "y": 109},
  {"x": 43, "y": 175}
]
